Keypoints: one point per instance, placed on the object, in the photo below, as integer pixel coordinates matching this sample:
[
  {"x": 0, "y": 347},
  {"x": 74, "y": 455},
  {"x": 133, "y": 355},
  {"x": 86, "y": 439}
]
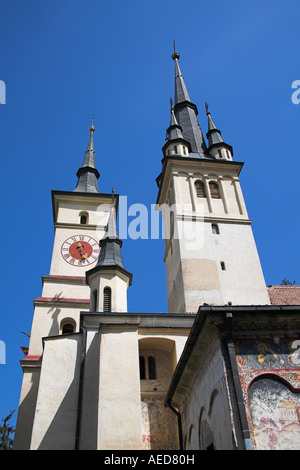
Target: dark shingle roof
[
  {"x": 186, "y": 113},
  {"x": 88, "y": 174}
]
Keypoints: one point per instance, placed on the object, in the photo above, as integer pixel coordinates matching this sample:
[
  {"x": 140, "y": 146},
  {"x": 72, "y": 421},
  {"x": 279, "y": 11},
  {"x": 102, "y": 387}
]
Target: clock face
[{"x": 80, "y": 250}]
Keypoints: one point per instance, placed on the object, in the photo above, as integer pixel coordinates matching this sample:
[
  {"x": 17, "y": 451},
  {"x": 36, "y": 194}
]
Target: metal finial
[
  {"x": 171, "y": 105},
  {"x": 112, "y": 194},
  {"x": 206, "y": 107},
  {"x": 92, "y": 128},
  {"x": 175, "y": 55}
]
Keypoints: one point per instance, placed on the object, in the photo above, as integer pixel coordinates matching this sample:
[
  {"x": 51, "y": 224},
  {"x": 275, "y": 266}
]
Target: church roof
[
  {"x": 284, "y": 295},
  {"x": 88, "y": 174},
  {"x": 110, "y": 252},
  {"x": 186, "y": 114},
  {"x": 214, "y": 136}
]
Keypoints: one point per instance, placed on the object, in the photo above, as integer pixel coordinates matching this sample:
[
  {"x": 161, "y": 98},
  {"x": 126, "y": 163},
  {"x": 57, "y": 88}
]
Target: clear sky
[{"x": 63, "y": 60}]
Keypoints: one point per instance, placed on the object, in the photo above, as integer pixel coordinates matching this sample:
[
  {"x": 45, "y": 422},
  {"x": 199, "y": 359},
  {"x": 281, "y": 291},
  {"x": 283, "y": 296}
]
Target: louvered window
[
  {"x": 107, "y": 299},
  {"x": 214, "y": 190},
  {"x": 200, "y": 189},
  {"x": 95, "y": 300}
]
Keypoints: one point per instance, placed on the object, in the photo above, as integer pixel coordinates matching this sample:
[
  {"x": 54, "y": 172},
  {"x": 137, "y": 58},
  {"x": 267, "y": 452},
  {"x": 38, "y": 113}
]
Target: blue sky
[{"x": 63, "y": 60}]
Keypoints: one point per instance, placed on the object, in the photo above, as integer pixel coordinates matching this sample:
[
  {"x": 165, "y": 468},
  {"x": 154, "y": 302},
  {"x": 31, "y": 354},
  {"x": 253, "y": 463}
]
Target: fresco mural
[
  {"x": 159, "y": 425},
  {"x": 275, "y": 412},
  {"x": 270, "y": 377}
]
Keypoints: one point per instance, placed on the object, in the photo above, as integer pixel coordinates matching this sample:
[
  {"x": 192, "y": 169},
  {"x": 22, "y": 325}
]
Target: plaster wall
[
  {"x": 47, "y": 321},
  {"x": 65, "y": 289},
  {"x": 119, "y": 408},
  {"x": 54, "y": 426},
  {"x": 207, "y": 417},
  {"x": 204, "y": 267},
  {"x": 118, "y": 285},
  {"x": 26, "y": 409}
]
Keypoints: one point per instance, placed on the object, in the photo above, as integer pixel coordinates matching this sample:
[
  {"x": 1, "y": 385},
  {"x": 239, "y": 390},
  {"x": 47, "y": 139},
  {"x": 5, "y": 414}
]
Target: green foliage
[
  {"x": 286, "y": 282},
  {"x": 6, "y": 441}
]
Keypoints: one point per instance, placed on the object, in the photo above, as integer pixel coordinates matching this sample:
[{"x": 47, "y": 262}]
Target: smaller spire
[
  {"x": 215, "y": 139},
  {"x": 110, "y": 249},
  {"x": 88, "y": 173},
  {"x": 214, "y": 136},
  {"x": 174, "y": 132}
]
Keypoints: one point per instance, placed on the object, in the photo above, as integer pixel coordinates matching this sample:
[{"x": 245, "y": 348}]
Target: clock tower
[{"x": 80, "y": 221}]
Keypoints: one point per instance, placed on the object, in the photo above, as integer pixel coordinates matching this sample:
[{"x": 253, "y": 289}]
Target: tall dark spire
[
  {"x": 88, "y": 174},
  {"x": 186, "y": 113}
]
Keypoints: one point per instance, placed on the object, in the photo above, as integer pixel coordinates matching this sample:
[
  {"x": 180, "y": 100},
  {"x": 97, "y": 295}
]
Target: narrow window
[
  {"x": 95, "y": 300},
  {"x": 215, "y": 229},
  {"x": 68, "y": 328},
  {"x": 151, "y": 368},
  {"x": 175, "y": 148},
  {"x": 107, "y": 299},
  {"x": 223, "y": 266},
  {"x": 142, "y": 368},
  {"x": 214, "y": 190},
  {"x": 220, "y": 153},
  {"x": 200, "y": 188},
  {"x": 184, "y": 151},
  {"x": 84, "y": 218}
]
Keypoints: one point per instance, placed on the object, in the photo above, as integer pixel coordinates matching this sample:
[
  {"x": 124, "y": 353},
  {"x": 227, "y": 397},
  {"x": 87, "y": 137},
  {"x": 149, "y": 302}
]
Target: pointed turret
[
  {"x": 88, "y": 174},
  {"x": 175, "y": 143},
  {"x": 110, "y": 254},
  {"x": 186, "y": 113},
  {"x": 217, "y": 147},
  {"x": 109, "y": 279}
]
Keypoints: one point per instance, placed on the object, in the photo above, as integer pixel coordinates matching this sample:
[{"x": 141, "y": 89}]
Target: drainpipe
[
  {"x": 243, "y": 435},
  {"x": 168, "y": 403},
  {"x": 80, "y": 391}
]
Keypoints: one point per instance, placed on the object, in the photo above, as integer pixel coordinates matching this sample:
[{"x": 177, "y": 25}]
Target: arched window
[
  {"x": 214, "y": 190},
  {"x": 95, "y": 300},
  {"x": 83, "y": 218},
  {"x": 67, "y": 329},
  {"x": 107, "y": 299},
  {"x": 67, "y": 326},
  {"x": 200, "y": 188},
  {"x": 175, "y": 148},
  {"x": 142, "y": 368},
  {"x": 151, "y": 368},
  {"x": 215, "y": 229}
]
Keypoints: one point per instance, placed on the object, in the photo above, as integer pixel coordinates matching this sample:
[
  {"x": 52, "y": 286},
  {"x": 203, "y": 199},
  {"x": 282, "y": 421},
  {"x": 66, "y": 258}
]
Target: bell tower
[
  {"x": 81, "y": 217},
  {"x": 210, "y": 252}
]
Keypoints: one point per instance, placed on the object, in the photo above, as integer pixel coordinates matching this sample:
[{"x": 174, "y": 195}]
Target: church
[{"x": 220, "y": 370}]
